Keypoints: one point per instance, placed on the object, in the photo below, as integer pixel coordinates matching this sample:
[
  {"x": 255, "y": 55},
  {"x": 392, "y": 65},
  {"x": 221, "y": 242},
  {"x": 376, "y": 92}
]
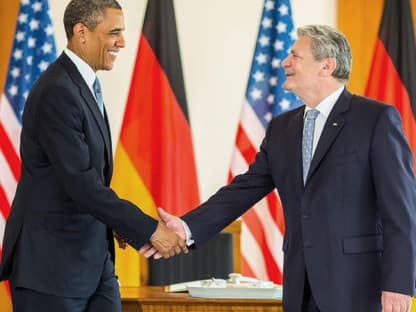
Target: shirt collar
[
  {"x": 325, "y": 107},
  {"x": 84, "y": 69}
]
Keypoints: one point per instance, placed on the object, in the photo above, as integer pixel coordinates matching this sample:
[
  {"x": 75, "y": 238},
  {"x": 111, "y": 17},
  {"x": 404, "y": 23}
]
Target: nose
[
  {"x": 285, "y": 62},
  {"x": 121, "y": 43}
]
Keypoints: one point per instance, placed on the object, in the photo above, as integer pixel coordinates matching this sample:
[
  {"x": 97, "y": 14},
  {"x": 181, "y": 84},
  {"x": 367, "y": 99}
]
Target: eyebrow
[{"x": 116, "y": 30}]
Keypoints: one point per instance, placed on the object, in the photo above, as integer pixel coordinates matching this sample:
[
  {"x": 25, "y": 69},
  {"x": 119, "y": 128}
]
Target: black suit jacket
[
  {"x": 352, "y": 227},
  {"x": 60, "y": 226}
]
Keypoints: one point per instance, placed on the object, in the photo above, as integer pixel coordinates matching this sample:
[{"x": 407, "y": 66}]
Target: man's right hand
[
  {"x": 166, "y": 242},
  {"x": 172, "y": 222}
]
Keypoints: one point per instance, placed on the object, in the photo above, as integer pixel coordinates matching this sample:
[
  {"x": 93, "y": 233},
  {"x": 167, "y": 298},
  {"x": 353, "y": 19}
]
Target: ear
[
  {"x": 80, "y": 31},
  {"x": 328, "y": 65}
]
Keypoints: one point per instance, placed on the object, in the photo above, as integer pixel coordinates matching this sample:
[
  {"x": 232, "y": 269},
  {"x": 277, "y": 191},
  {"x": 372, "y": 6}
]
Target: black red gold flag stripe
[
  {"x": 392, "y": 77},
  {"x": 154, "y": 161}
]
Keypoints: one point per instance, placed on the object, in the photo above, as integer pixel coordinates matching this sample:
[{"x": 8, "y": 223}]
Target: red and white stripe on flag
[
  {"x": 263, "y": 225},
  {"x": 9, "y": 159}
]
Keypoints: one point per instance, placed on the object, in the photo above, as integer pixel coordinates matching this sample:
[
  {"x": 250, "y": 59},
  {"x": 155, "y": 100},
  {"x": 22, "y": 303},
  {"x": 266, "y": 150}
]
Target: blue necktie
[
  {"x": 98, "y": 95},
  {"x": 307, "y": 141}
]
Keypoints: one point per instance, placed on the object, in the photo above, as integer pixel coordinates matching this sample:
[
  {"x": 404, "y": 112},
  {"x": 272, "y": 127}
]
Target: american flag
[
  {"x": 263, "y": 225},
  {"x": 33, "y": 50}
]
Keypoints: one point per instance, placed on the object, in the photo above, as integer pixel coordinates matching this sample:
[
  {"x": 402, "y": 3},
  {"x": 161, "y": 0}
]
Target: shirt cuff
[{"x": 188, "y": 234}]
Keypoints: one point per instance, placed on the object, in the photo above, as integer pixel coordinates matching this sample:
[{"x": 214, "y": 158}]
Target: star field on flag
[
  {"x": 33, "y": 50},
  {"x": 276, "y": 36}
]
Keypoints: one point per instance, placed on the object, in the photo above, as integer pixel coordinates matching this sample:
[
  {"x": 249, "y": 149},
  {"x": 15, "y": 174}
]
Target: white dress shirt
[
  {"x": 324, "y": 108},
  {"x": 84, "y": 69}
]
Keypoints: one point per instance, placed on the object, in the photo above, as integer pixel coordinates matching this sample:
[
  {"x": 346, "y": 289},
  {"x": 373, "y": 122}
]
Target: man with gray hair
[
  {"x": 344, "y": 173},
  {"x": 58, "y": 250}
]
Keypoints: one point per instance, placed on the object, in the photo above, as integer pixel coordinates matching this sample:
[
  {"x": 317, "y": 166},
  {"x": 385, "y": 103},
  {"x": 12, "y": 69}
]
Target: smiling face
[
  {"x": 301, "y": 68},
  {"x": 102, "y": 44}
]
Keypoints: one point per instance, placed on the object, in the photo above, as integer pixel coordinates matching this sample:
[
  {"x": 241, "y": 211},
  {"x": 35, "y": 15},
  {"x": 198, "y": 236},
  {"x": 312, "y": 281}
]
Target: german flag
[
  {"x": 392, "y": 77},
  {"x": 154, "y": 160}
]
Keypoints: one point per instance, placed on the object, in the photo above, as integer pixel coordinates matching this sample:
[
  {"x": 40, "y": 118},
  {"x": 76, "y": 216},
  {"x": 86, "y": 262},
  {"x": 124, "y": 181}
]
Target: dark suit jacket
[
  {"x": 352, "y": 227},
  {"x": 59, "y": 231}
]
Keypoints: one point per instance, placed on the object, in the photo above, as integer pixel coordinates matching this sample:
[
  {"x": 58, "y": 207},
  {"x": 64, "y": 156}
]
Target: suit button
[{"x": 305, "y": 216}]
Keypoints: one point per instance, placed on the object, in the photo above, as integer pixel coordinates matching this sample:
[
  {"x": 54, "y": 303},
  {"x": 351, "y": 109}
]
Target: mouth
[{"x": 113, "y": 53}]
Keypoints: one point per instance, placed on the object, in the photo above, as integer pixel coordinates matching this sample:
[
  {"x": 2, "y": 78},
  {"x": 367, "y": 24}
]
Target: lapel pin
[{"x": 335, "y": 124}]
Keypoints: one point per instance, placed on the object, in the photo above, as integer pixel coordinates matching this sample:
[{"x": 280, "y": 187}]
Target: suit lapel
[
  {"x": 295, "y": 140},
  {"x": 332, "y": 128},
  {"x": 110, "y": 148},
  {"x": 91, "y": 103}
]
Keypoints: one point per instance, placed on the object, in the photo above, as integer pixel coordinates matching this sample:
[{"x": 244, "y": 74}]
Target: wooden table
[{"x": 155, "y": 299}]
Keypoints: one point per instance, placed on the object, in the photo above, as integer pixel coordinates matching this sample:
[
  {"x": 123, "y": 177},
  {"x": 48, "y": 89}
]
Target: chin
[
  {"x": 108, "y": 67},
  {"x": 286, "y": 87}
]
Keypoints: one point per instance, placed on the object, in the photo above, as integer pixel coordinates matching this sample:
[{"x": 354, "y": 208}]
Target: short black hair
[{"x": 87, "y": 12}]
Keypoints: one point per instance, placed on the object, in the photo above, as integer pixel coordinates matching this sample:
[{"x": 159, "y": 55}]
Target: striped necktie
[
  {"x": 98, "y": 95},
  {"x": 307, "y": 141}
]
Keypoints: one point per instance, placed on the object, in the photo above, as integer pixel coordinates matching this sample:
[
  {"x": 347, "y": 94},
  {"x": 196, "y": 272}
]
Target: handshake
[{"x": 169, "y": 238}]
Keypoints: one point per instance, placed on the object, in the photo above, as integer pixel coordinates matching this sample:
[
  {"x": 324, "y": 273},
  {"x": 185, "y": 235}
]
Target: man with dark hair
[
  {"x": 58, "y": 250},
  {"x": 344, "y": 173}
]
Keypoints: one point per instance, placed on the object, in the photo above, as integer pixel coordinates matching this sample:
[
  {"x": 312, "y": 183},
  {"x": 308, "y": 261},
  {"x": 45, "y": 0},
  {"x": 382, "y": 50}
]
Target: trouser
[
  {"x": 106, "y": 297},
  {"x": 308, "y": 302}
]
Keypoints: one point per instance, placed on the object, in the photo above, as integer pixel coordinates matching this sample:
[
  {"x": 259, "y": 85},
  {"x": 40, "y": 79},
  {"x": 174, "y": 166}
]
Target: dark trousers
[
  {"x": 308, "y": 302},
  {"x": 106, "y": 297}
]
